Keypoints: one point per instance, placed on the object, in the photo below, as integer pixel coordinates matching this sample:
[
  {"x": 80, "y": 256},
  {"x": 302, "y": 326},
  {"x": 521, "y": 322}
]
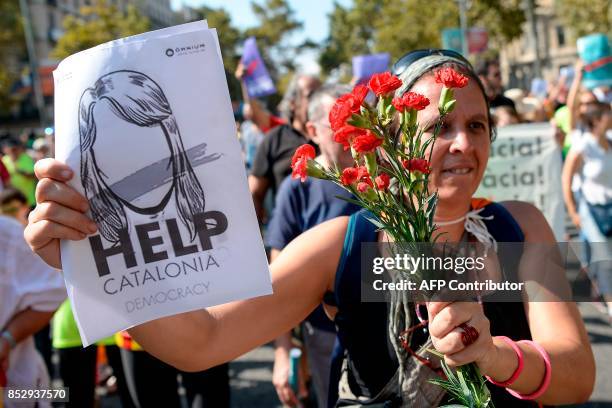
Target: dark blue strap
[
  {"x": 503, "y": 227},
  {"x": 358, "y": 230}
]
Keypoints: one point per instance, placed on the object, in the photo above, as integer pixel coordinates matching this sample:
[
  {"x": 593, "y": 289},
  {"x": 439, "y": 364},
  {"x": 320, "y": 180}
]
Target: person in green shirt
[
  {"x": 21, "y": 169},
  {"x": 77, "y": 365}
]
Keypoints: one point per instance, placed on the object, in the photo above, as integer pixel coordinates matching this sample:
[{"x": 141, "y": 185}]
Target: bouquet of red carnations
[{"x": 392, "y": 154}]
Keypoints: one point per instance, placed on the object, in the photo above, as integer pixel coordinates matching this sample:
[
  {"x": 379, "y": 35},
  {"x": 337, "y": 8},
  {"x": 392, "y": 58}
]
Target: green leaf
[
  {"x": 449, "y": 106},
  {"x": 464, "y": 386}
]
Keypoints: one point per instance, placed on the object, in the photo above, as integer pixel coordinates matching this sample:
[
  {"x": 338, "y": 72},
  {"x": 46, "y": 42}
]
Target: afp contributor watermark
[{"x": 511, "y": 272}]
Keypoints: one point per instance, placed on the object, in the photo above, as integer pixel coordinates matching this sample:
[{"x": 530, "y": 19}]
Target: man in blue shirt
[{"x": 301, "y": 206}]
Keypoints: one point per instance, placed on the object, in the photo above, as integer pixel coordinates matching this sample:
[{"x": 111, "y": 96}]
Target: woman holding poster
[{"x": 553, "y": 364}]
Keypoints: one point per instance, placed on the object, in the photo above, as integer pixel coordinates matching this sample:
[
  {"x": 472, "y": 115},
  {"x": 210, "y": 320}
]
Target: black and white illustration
[
  {"x": 136, "y": 99},
  {"x": 152, "y": 142}
]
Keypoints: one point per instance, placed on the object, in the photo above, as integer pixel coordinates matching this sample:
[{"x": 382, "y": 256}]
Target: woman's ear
[{"x": 311, "y": 132}]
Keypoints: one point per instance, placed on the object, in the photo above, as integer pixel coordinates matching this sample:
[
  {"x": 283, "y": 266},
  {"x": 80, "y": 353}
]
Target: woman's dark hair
[
  {"x": 10, "y": 194},
  {"x": 593, "y": 113},
  {"x": 136, "y": 99}
]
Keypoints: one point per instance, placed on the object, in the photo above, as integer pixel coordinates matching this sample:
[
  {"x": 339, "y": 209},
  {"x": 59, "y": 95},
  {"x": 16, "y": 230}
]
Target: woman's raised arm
[
  {"x": 197, "y": 340},
  {"x": 301, "y": 274}
]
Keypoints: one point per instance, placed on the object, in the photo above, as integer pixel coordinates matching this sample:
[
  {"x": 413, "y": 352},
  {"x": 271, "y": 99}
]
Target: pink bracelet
[
  {"x": 547, "y": 374},
  {"x": 519, "y": 369}
]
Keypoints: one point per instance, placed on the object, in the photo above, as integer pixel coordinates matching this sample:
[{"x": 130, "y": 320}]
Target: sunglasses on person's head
[{"x": 404, "y": 62}]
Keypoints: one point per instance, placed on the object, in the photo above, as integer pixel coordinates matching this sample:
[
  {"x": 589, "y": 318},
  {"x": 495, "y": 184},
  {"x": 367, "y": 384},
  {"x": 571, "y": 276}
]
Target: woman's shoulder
[{"x": 530, "y": 219}]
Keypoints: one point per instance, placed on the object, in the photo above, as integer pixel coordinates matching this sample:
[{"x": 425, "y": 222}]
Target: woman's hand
[
  {"x": 448, "y": 338},
  {"x": 240, "y": 71},
  {"x": 59, "y": 213},
  {"x": 575, "y": 219},
  {"x": 280, "y": 379}
]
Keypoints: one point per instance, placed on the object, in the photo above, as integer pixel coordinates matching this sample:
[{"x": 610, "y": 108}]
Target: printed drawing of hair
[{"x": 136, "y": 99}]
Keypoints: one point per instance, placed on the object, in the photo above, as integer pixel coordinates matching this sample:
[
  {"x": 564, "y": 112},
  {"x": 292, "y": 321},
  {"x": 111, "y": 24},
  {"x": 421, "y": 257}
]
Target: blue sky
[{"x": 313, "y": 13}]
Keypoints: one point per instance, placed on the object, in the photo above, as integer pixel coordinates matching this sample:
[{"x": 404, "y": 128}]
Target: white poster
[
  {"x": 525, "y": 164},
  {"x": 147, "y": 125}
]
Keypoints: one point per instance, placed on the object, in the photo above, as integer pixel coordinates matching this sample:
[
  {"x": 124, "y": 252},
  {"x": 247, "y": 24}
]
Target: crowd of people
[{"x": 348, "y": 359}]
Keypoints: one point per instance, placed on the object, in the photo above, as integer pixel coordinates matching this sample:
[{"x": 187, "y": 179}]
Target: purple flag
[
  {"x": 364, "y": 66},
  {"x": 256, "y": 76}
]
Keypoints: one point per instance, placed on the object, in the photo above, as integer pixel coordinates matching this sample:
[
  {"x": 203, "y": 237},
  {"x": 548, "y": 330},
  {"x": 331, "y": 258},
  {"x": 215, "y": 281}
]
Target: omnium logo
[{"x": 188, "y": 49}]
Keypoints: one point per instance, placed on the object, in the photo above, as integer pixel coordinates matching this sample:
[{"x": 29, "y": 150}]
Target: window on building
[
  {"x": 52, "y": 20},
  {"x": 560, "y": 35}
]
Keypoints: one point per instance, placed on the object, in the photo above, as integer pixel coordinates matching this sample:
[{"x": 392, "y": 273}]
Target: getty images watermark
[
  {"x": 418, "y": 267},
  {"x": 513, "y": 272}
]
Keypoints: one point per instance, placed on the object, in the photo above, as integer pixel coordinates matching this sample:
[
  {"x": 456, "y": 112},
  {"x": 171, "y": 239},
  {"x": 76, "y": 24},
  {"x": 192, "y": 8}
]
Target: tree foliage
[
  {"x": 398, "y": 26},
  {"x": 585, "y": 16},
  {"x": 98, "y": 23},
  {"x": 229, "y": 36},
  {"x": 12, "y": 50},
  {"x": 275, "y": 22}
]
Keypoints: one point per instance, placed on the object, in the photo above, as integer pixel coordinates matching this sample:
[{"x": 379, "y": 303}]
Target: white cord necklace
[{"x": 475, "y": 225}]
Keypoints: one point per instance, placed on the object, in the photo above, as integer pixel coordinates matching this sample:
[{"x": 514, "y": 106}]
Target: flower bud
[
  {"x": 370, "y": 162},
  {"x": 314, "y": 169},
  {"x": 445, "y": 97}
]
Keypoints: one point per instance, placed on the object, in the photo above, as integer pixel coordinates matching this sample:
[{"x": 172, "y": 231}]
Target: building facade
[
  {"x": 556, "y": 45},
  {"x": 46, "y": 26},
  {"x": 47, "y": 17}
]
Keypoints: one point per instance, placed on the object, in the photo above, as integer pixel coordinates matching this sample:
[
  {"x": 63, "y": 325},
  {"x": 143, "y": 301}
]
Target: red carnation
[
  {"x": 382, "y": 181},
  {"x": 363, "y": 186},
  {"x": 451, "y": 78},
  {"x": 345, "y": 134},
  {"x": 349, "y": 176},
  {"x": 299, "y": 161},
  {"x": 345, "y": 106},
  {"x": 359, "y": 94},
  {"x": 410, "y": 100},
  {"x": 341, "y": 112},
  {"x": 304, "y": 151},
  {"x": 420, "y": 165},
  {"x": 384, "y": 83},
  {"x": 366, "y": 142},
  {"x": 363, "y": 174}
]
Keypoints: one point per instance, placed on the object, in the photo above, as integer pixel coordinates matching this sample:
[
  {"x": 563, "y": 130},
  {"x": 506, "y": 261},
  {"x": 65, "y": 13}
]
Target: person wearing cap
[
  {"x": 21, "y": 169},
  {"x": 551, "y": 364}
]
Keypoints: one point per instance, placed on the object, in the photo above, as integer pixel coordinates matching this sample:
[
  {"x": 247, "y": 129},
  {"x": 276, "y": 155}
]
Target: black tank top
[{"x": 363, "y": 327}]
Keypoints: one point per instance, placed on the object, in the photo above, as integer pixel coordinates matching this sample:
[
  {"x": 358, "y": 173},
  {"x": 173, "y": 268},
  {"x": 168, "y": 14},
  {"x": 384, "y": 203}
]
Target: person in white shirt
[
  {"x": 591, "y": 156},
  {"x": 30, "y": 292}
]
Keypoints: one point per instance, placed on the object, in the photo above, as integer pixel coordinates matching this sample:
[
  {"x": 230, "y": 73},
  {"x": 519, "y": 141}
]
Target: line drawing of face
[
  {"x": 114, "y": 167},
  {"x": 131, "y": 102}
]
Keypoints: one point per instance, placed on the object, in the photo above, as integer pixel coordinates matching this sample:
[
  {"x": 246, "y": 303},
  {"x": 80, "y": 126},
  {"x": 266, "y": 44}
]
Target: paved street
[
  {"x": 251, "y": 380},
  {"x": 252, "y": 373},
  {"x": 600, "y": 333}
]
